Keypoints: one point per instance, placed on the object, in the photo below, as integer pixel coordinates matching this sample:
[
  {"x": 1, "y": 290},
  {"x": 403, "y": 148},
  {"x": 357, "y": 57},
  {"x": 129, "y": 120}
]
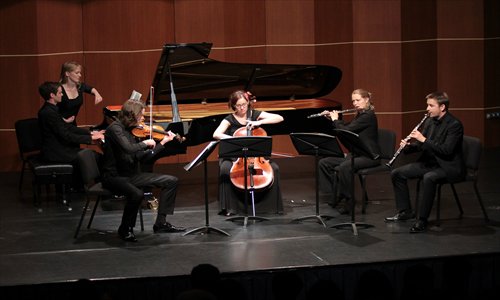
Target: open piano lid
[{"x": 194, "y": 74}]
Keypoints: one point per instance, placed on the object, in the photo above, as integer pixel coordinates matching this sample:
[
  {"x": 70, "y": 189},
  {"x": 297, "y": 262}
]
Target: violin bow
[{"x": 151, "y": 90}]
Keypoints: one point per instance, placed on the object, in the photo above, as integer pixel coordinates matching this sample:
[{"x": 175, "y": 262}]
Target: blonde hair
[
  {"x": 367, "y": 95},
  {"x": 68, "y": 66}
]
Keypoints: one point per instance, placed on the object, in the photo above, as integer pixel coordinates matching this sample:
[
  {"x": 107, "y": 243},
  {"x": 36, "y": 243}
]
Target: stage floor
[{"x": 39, "y": 247}]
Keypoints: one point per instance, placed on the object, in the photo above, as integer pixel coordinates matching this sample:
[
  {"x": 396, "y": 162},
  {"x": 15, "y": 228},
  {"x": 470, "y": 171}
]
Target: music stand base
[
  {"x": 246, "y": 218},
  {"x": 206, "y": 229},
  {"x": 353, "y": 225},
  {"x": 318, "y": 218}
]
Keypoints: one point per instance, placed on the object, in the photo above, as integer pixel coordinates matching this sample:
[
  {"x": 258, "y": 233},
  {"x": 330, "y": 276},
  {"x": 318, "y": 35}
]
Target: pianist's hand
[
  {"x": 97, "y": 135},
  {"x": 69, "y": 120}
]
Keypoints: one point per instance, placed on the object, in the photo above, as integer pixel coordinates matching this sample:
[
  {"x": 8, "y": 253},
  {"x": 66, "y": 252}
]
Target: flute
[
  {"x": 406, "y": 139},
  {"x": 340, "y": 112}
]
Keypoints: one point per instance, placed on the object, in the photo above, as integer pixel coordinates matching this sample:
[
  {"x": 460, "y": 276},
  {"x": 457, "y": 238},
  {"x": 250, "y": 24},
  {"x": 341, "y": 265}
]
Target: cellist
[{"x": 244, "y": 116}]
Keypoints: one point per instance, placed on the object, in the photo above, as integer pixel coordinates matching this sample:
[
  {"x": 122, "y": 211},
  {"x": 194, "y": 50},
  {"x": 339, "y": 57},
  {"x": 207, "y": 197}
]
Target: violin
[
  {"x": 157, "y": 132},
  {"x": 259, "y": 168}
]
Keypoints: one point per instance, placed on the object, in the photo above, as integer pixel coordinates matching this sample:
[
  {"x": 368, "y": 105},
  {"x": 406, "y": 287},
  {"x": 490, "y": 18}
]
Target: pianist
[{"x": 229, "y": 196}]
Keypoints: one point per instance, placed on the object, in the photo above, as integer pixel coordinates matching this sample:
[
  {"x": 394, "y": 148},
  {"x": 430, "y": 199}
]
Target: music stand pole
[
  {"x": 246, "y": 217},
  {"x": 357, "y": 148},
  {"x": 316, "y": 144},
  {"x": 254, "y": 146},
  {"x": 207, "y": 228}
]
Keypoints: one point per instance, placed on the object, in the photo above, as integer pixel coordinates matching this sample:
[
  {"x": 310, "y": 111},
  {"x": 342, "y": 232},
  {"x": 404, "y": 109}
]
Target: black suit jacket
[
  {"x": 60, "y": 140},
  {"x": 443, "y": 145}
]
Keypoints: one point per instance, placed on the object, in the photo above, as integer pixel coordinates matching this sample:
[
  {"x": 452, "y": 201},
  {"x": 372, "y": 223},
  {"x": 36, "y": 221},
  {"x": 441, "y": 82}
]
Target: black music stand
[
  {"x": 317, "y": 144},
  {"x": 202, "y": 157},
  {"x": 356, "y": 147},
  {"x": 246, "y": 146}
]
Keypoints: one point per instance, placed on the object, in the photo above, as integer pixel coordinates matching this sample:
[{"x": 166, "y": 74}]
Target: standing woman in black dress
[
  {"x": 73, "y": 89},
  {"x": 229, "y": 196}
]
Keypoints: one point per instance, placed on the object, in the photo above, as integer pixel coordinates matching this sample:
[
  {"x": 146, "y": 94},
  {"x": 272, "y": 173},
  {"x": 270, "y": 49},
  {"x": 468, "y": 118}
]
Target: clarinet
[{"x": 406, "y": 139}]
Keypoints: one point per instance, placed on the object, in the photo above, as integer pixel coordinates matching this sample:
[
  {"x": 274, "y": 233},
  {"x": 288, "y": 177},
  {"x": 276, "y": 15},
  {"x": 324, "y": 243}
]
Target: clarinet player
[{"x": 440, "y": 144}]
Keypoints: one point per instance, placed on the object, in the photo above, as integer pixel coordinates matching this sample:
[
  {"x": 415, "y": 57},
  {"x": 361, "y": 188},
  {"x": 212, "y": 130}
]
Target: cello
[{"x": 260, "y": 173}]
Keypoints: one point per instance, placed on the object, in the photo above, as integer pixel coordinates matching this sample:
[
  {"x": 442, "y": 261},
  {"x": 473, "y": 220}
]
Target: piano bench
[{"x": 51, "y": 173}]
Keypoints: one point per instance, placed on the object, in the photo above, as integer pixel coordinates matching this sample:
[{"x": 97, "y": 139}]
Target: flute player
[{"x": 365, "y": 124}]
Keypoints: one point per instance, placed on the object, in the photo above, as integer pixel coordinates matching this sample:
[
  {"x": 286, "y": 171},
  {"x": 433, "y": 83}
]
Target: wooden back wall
[{"x": 400, "y": 50}]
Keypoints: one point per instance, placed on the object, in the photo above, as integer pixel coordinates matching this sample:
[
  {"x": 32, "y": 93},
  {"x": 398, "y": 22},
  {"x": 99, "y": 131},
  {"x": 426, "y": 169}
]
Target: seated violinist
[
  {"x": 230, "y": 197},
  {"x": 121, "y": 172}
]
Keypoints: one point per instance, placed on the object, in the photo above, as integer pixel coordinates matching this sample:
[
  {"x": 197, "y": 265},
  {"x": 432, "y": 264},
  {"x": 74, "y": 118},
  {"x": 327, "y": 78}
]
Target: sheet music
[
  {"x": 135, "y": 95},
  {"x": 202, "y": 156}
]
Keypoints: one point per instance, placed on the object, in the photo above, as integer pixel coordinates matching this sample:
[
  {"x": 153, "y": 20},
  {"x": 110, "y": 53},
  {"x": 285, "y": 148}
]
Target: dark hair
[
  {"x": 235, "y": 96},
  {"x": 47, "y": 88},
  {"x": 441, "y": 98},
  {"x": 131, "y": 109}
]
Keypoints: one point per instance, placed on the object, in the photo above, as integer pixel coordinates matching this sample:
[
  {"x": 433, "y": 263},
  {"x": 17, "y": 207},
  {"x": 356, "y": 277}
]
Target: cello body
[{"x": 259, "y": 167}]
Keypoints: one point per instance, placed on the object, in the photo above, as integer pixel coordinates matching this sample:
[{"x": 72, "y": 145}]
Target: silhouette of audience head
[{"x": 205, "y": 277}]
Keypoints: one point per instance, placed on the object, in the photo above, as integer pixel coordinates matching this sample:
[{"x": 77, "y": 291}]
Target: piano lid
[{"x": 194, "y": 75}]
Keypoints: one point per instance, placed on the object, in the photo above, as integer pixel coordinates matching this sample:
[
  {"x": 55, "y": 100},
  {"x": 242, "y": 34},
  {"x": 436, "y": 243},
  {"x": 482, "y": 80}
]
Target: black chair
[
  {"x": 471, "y": 148},
  {"x": 29, "y": 138},
  {"x": 90, "y": 175},
  {"x": 387, "y": 144},
  {"x": 29, "y": 141}
]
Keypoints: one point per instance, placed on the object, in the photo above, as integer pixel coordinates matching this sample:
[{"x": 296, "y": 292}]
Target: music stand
[
  {"x": 316, "y": 144},
  {"x": 245, "y": 146},
  {"x": 202, "y": 157},
  {"x": 356, "y": 147}
]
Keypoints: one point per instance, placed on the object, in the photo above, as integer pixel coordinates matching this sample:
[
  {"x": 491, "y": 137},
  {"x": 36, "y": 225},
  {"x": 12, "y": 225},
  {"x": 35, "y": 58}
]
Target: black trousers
[
  {"x": 132, "y": 189},
  {"x": 326, "y": 168},
  {"x": 231, "y": 199},
  {"x": 430, "y": 175}
]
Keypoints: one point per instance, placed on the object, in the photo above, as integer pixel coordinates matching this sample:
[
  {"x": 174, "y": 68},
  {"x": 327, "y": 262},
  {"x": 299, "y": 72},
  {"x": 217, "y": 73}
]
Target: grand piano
[{"x": 202, "y": 85}]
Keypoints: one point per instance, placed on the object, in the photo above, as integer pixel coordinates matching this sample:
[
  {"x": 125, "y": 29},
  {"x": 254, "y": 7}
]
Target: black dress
[
  {"x": 231, "y": 199},
  {"x": 71, "y": 107}
]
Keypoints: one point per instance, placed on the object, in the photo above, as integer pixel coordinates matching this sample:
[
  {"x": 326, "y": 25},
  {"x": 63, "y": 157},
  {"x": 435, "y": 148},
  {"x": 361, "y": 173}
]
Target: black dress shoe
[
  {"x": 127, "y": 235},
  {"x": 419, "y": 226},
  {"x": 167, "y": 227},
  {"x": 344, "y": 210},
  {"x": 401, "y": 216}
]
